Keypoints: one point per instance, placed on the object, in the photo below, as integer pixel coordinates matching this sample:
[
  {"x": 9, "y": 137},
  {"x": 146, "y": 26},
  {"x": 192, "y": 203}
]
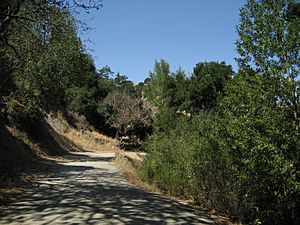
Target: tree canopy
[{"x": 227, "y": 140}]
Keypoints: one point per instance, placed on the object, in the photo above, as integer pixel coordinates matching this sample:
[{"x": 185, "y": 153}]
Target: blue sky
[{"x": 129, "y": 35}]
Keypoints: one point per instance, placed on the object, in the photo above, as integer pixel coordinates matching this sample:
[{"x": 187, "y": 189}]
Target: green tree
[
  {"x": 46, "y": 66},
  {"x": 47, "y": 59},
  {"x": 180, "y": 98},
  {"x": 7, "y": 82},
  {"x": 10, "y": 10},
  {"x": 207, "y": 84},
  {"x": 124, "y": 85},
  {"x": 264, "y": 149},
  {"x": 160, "y": 86},
  {"x": 269, "y": 41}
]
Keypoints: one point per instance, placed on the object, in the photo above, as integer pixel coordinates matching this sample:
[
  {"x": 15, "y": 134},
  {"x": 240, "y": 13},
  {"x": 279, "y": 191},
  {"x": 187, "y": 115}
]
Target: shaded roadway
[{"x": 89, "y": 190}]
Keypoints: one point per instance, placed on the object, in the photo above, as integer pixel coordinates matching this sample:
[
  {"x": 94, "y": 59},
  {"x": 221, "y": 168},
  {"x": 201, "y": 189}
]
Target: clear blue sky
[{"x": 129, "y": 35}]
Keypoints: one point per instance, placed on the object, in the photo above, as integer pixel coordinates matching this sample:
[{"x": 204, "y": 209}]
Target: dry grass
[
  {"x": 28, "y": 158},
  {"x": 24, "y": 138},
  {"x": 90, "y": 140},
  {"x": 82, "y": 140},
  {"x": 126, "y": 164}
]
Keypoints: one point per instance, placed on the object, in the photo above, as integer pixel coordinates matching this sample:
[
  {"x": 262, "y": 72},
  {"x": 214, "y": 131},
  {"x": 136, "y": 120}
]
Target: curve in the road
[{"x": 89, "y": 190}]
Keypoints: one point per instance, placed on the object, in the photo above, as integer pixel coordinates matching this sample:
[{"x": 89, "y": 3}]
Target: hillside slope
[{"x": 25, "y": 155}]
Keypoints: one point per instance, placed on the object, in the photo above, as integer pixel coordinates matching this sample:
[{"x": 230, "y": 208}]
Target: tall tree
[
  {"x": 10, "y": 10},
  {"x": 160, "y": 85},
  {"x": 49, "y": 57},
  {"x": 180, "y": 98},
  {"x": 269, "y": 41},
  {"x": 207, "y": 84}
]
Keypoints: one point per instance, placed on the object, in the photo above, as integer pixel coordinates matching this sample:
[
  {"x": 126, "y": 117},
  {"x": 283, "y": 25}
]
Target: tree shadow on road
[{"x": 89, "y": 195}]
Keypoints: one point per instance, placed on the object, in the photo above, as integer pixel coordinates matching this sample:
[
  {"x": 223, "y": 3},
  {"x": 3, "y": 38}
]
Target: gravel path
[{"x": 89, "y": 190}]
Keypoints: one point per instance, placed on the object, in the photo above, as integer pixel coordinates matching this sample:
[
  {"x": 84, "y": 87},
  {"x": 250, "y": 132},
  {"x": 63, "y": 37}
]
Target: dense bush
[
  {"x": 242, "y": 158},
  {"x": 264, "y": 146},
  {"x": 231, "y": 143},
  {"x": 193, "y": 161},
  {"x": 239, "y": 150}
]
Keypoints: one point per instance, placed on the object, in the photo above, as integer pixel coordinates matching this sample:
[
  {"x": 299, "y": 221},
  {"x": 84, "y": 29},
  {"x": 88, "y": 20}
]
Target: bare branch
[
  {"x": 12, "y": 47},
  {"x": 16, "y": 17}
]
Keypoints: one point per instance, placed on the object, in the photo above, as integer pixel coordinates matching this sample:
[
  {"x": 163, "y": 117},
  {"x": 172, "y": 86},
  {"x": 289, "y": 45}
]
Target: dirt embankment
[
  {"x": 26, "y": 155},
  {"x": 57, "y": 148},
  {"x": 23, "y": 157},
  {"x": 81, "y": 136}
]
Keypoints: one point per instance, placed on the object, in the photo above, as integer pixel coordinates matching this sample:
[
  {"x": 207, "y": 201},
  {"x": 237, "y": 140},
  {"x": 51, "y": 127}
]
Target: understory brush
[{"x": 241, "y": 158}]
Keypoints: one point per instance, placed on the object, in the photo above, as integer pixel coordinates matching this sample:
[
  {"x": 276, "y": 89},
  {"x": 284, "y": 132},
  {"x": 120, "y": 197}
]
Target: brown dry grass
[
  {"x": 82, "y": 140},
  {"x": 127, "y": 163},
  {"x": 28, "y": 158},
  {"x": 24, "y": 137},
  {"x": 126, "y": 166},
  {"x": 90, "y": 140}
]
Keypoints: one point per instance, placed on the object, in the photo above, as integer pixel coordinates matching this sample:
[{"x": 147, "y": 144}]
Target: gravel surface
[{"x": 88, "y": 190}]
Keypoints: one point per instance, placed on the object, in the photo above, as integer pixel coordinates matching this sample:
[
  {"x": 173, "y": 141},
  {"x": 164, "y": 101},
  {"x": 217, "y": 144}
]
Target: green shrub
[
  {"x": 20, "y": 115},
  {"x": 242, "y": 158}
]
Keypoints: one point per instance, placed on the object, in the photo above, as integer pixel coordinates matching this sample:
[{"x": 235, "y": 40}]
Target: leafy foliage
[
  {"x": 239, "y": 151},
  {"x": 270, "y": 42},
  {"x": 160, "y": 85},
  {"x": 207, "y": 84},
  {"x": 241, "y": 157},
  {"x": 264, "y": 147},
  {"x": 224, "y": 140}
]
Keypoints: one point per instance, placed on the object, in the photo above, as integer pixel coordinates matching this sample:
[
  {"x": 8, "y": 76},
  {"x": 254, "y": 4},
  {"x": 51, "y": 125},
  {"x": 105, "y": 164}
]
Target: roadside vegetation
[
  {"x": 231, "y": 141},
  {"x": 226, "y": 140}
]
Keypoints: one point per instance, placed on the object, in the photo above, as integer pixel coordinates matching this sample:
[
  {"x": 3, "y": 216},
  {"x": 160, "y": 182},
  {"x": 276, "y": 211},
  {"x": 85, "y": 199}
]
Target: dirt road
[{"x": 89, "y": 190}]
